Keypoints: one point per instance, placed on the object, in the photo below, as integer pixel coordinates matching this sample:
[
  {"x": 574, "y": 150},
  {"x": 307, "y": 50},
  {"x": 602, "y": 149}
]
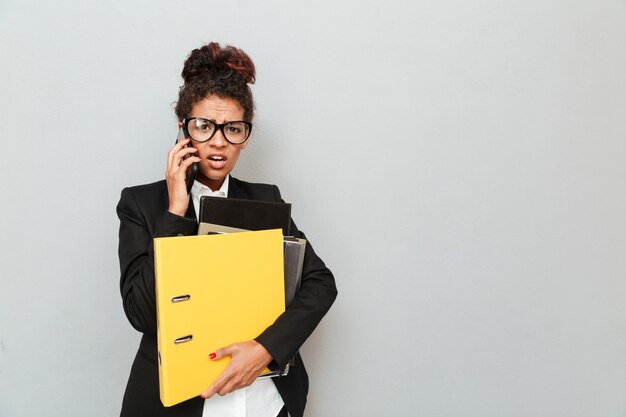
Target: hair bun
[{"x": 216, "y": 62}]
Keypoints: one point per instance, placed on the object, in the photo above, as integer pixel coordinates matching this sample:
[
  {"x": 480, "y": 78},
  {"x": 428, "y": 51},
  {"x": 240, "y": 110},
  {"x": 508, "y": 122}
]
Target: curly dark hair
[{"x": 214, "y": 70}]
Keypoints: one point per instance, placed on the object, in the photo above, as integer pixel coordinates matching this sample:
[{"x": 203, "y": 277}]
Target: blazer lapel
[
  {"x": 234, "y": 191},
  {"x": 191, "y": 210}
]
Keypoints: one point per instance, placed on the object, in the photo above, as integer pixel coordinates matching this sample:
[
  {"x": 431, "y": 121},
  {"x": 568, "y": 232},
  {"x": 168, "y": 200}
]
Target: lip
[
  {"x": 218, "y": 155},
  {"x": 216, "y": 164}
]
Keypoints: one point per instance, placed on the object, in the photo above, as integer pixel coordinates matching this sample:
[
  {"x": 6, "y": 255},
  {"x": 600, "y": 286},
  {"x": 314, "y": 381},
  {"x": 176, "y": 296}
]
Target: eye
[{"x": 234, "y": 129}]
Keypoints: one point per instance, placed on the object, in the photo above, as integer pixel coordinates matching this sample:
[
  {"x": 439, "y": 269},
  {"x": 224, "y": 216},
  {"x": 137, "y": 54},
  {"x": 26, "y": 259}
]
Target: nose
[{"x": 218, "y": 140}]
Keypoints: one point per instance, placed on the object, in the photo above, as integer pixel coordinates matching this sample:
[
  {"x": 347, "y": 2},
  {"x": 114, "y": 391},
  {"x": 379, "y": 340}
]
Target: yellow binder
[{"x": 212, "y": 291}]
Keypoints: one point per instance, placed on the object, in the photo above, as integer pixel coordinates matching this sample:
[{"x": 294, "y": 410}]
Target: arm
[
  {"x": 317, "y": 293},
  {"x": 139, "y": 224},
  {"x": 280, "y": 341},
  {"x": 136, "y": 253}
]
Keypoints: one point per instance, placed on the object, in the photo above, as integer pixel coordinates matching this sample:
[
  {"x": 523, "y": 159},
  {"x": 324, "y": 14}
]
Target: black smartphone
[{"x": 192, "y": 170}]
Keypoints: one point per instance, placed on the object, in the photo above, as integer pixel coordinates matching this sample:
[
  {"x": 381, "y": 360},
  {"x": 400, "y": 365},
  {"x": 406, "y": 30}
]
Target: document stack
[{"x": 226, "y": 285}]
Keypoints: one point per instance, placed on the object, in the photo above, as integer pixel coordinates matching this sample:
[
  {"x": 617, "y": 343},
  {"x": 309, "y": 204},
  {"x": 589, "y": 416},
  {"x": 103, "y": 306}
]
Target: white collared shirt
[
  {"x": 261, "y": 399},
  {"x": 198, "y": 190}
]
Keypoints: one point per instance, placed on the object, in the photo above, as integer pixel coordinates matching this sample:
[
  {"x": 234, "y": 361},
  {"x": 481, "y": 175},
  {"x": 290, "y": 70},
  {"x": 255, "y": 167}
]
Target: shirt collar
[{"x": 198, "y": 189}]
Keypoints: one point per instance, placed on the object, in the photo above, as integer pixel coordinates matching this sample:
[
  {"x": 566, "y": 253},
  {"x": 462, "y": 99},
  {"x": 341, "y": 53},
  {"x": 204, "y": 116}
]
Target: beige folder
[{"x": 212, "y": 291}]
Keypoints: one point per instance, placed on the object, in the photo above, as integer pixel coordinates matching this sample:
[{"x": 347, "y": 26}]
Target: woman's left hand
[{"x": 247, "y": 361}]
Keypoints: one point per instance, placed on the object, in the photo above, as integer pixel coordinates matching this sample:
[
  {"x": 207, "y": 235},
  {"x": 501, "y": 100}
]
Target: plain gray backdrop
[{"x": 459, "y": 165}]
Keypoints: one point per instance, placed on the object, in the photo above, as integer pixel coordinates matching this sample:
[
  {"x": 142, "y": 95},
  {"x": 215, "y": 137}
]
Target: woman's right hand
[{"x": 175, "y": 176}]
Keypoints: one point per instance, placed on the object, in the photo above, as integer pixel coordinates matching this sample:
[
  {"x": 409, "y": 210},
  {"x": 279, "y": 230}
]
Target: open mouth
[{"x": 217, "y": 158}]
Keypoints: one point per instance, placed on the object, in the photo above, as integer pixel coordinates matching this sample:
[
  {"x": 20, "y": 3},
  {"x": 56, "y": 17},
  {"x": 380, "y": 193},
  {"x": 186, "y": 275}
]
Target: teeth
[{"x": 216, "y": 158}]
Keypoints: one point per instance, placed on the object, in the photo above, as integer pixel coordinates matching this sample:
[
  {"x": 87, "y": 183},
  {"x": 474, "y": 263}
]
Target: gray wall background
[{"x": 459, "y": 165}]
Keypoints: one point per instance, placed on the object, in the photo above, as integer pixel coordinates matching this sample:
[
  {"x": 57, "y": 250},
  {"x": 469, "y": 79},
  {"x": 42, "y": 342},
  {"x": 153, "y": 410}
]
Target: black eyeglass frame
[{"x": 218, "y": 126}]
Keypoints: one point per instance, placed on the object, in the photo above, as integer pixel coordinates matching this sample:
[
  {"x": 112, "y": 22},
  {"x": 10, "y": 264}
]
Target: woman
[{"x": 215, "y": 98}]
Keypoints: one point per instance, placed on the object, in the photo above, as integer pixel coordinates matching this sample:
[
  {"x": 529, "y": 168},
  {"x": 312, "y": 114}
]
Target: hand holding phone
[
  {"x": 180, "y": 174},
  {"x": 192, "y": 170}
]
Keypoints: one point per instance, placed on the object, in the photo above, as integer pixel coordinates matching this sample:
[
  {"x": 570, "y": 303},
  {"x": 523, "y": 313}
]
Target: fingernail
[{"x": 212, "y": 356}]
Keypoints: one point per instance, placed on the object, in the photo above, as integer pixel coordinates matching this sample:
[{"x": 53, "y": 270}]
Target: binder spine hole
[
  {"x": 183, "y": 339},
  {"x": 181, "y": 298}
]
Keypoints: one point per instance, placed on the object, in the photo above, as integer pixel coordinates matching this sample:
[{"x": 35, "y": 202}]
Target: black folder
[{"x": 245, "y": 214}]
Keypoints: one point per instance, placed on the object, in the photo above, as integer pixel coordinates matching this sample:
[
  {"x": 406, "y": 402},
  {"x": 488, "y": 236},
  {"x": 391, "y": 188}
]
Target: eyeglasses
[{"x": 201, "y": 130}]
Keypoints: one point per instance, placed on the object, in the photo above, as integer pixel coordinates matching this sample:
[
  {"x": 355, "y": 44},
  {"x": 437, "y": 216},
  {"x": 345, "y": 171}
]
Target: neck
[{"x": 214, "y": 185}]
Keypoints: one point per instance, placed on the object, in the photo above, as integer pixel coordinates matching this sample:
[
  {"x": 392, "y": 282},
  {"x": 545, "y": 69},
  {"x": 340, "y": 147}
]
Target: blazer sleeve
[
  {"x": 136, "y": 253},
  {"x": 317, "y": 293}
]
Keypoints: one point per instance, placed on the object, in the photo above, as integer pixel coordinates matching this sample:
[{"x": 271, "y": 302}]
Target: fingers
[
  {"x": 229, "y": 381},
  {"x": 224, "y": 377},
  {"x": 186, "y": 162},
  {"x": 234, "y": 383},
  {"x": 177, "y": 147},
  {"x": 178, "y": 152},
  {"x": 175, "y": 174},
  {"x": 211, "y": 391},
  {"x": 240, "y": 372},
  {"x": 225, "y": 351}
]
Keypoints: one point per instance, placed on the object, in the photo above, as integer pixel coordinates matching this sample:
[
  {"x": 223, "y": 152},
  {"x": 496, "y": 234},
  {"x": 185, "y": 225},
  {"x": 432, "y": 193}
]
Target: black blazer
[{"x": 143, "y": 213}]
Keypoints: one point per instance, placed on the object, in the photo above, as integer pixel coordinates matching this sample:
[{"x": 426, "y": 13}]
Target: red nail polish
[{"x": 212, "y": 356}]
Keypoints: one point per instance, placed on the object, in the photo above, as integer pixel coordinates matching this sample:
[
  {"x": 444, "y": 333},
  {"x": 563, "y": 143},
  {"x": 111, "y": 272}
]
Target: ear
[{"x": 180, "y": 124}]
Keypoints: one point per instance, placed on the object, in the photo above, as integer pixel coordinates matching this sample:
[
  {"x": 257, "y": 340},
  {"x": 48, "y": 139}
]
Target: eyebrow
[{"x": 214, "y": 121}]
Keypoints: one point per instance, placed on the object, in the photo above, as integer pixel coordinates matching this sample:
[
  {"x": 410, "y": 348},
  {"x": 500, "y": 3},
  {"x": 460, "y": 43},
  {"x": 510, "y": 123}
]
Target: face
[{"x": 218, "y": 156}]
